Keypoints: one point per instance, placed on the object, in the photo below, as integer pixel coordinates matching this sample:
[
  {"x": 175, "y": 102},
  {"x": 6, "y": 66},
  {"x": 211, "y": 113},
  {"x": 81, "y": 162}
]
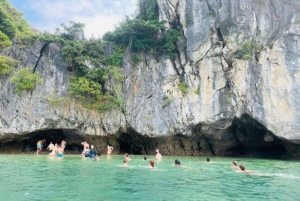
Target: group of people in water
[
  {"x": 92, "y": 153},
  {"x": 58, "y": 150},
  {"x": 54, "y": 149},
  {"x": 158, "y": 157}
]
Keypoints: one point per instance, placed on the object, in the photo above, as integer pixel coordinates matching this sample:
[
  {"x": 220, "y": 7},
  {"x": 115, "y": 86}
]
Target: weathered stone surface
[{"x": 223, "y": 88}]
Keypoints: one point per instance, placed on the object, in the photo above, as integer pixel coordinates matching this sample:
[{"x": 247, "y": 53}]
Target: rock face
[{"x": 237, "y": 101}]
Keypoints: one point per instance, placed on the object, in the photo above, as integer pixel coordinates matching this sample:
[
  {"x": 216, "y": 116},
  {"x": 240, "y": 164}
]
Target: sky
[{"x": 99, "y": 16}]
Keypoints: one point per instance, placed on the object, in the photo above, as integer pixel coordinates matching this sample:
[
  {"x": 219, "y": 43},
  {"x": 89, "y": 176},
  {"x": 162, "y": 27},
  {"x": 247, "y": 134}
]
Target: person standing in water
[
  {"x": 50, "y": 147},
  {"x": 63, "y": 144},
  {"x": 38, "y": 146},
  {"x": 86, "y": 147},
  {"x": 93, "y": 152},
  {"x": 158, "y": 155},
  {"x": 109, "y": 149},
  {"x": 43, "y": 142},
  {"x": 126, "y": 157},
  {"x": 54, "y": 150},
  {"x": 59, "y": 152}
]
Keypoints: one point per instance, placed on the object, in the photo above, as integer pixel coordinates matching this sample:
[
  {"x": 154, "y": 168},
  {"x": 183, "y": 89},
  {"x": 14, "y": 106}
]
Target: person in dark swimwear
[{"x": 93, "y": 152}]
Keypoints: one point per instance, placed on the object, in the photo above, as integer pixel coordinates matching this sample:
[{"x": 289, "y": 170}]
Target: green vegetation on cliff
[
  {"x": 7, "y": 65},
  {"x": 89, "y": 68},
  {"x": 96, "y": 77},
  {"x": 145, "y": 32},
  {"x": 25, "y": 80},
  {"x": 12, "y": 25}
]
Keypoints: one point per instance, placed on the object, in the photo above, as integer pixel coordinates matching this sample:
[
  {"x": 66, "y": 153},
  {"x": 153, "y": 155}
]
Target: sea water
[{"x": 41, "y": 177}]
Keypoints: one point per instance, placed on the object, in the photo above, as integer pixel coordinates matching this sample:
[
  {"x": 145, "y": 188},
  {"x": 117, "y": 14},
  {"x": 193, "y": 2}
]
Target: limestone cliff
[{"x": 235, "y": 101}]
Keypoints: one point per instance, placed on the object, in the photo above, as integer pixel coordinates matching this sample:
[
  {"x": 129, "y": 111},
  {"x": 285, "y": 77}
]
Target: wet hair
[
  {"x": 234, "y": 163},
  {"x": 177, "y": 162},
  {"x": 208, "y": 160},
  {"x": 145, "y": 158},
  {"x": 126, "y": 155},
  {"x": 151, "y": 162},
  {"x": 242, "y": 167}
]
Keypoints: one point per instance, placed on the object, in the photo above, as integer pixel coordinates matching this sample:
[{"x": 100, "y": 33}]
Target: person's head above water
[
  {"x": 242, "y": 167},
  {"x": 151, "y": 162},
  {"x": 177, "y": 162},
  {"x": 157, "y": 150},
  {"x": 145, "y": 158},
  {"x": 208, "y": 160},
  {"x": 126, "y": 155},
  {"x": 234, "y": 163}
]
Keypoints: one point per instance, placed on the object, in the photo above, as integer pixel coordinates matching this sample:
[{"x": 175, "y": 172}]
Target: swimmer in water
[
  {"x": 158, "y": 155},
  {"x": 177, "y": 162},
  {"x": 234, "y": 164},
  {"x": 145, "y": 158},
  {"x": 125, "y": 163},
  {"x": 243, "y": 169},
  {"x": 151, "y": 163}
]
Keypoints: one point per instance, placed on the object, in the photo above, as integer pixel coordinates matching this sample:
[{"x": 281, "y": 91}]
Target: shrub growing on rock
[{"x": 25, "y": 80}]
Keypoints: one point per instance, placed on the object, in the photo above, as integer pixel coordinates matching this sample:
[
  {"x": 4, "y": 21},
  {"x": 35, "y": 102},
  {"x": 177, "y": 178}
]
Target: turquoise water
[{"x": 40, "y": 177}]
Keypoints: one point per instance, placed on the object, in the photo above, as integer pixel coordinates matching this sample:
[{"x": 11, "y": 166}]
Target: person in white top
[{"x": 158, "y": 155}]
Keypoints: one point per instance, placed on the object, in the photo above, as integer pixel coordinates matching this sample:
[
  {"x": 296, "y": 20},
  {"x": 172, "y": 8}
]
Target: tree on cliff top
[{"x": 12, "y": 24}]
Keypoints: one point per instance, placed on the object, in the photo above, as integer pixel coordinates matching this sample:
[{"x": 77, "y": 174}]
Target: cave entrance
[
  {"x": 134, "y": 143},
  {"x": 27, "y": 143},
  {"x": 254, "y": 140}
]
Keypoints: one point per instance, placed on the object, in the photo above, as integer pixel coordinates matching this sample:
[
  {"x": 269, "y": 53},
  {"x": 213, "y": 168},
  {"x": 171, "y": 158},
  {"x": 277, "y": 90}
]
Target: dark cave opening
[
  {"x": 27, "y": 143},
  {"x": 131, "y": 143},
  {"x": 254, "y": 140}
]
